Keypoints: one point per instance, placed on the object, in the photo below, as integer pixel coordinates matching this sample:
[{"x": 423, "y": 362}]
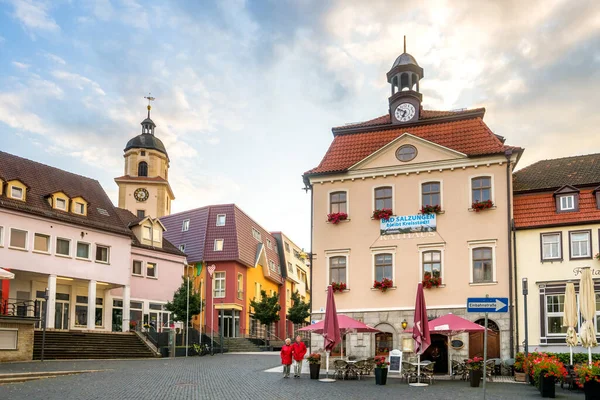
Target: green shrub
[{"x": 578, "y": 358}]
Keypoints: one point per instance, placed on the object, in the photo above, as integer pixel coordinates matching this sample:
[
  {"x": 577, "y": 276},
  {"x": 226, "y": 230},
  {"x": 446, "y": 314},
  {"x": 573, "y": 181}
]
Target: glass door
[
  {"x": 153, "y": 321},
  {"x": 117, "y": 319},
  {"x": 61, "y": 315}
]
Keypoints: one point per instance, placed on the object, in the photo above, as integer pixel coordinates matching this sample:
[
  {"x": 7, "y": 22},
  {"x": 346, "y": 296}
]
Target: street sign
[
  {"x": 487, "y": 304},
  {"x": 211, "y": 269}
]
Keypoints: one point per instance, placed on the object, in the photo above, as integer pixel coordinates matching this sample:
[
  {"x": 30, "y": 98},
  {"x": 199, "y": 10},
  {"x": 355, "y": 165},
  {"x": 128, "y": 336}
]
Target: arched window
[
  {"x": 143, "y": 169},
  {"x": 383, "y": 197},
  {"x": 383, "y": 266},
  {"x": 404, "y": 82},
  {"x": 337, "y": 269}
]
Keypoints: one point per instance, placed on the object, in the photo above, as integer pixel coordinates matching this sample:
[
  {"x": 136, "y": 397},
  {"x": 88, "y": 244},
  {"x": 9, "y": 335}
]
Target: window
[
  {"x": 240, "y": 287},
  {"x": 83, "y": 250},
  {"x": 137, "y": 267},
  {"x": 287, "y": 247},
  {"x": 555, "y": 307},
  {"x": 338, "y": 202},
  {"x": 102, "y": 253},
  {"x": 41, "y": 243},
  {"x": 221, "y": 219},
  {"x": 61, "y": 204},
  {"x": 430, "y": 194},
  {"x": 269, "y": 244},
  {"x": 182, "y": 247},
  {"x": 142, "y": 153},
  {"x": 256, "y": 235},
  {"x": 551, "y": 246},
  {"x": 16, "y": 192},
  {"x": 63, "y": 247},
  {"x": 81, "y": 310},
  {"x": 272, "y": 266},
  {"x": 185, "y": 226},
  {"x": 156, "y": 234},
  {"x": 483, "y": 265},
  {"x": 151, "y": 270},
  {"x": 1, "y": 236},
  {"x": 8, "y": 338},
  {"x": 218, "y": 244},
  {"x": 18, "y": 239},
  {"x": 276, "y": 248},
  {"x": 406, "y": 153},
  {"x": 219, "y": 279},
  {"x": 147, "y": 232},
  {"x": 580, "y": 244},
  {"x": 141, "y": 213},
  {"x": 481, "y": 189},
  {"x": 337, "y": 269},
  {"x": 99, "y": 311},
  {"x": 383, "y": 266},
  {"x": 432, "y": 263},
  {"x": 79, "y": 208},
  {"x": 143, "y": 169},
  {"x": 383, "y": 198},
  {"x": 566, "y": 203},
  {"x": 290, "y": 268}
]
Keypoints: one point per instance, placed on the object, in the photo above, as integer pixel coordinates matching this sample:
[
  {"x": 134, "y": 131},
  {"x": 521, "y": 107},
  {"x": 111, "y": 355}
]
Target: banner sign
[{"x": 408, "y": 224}]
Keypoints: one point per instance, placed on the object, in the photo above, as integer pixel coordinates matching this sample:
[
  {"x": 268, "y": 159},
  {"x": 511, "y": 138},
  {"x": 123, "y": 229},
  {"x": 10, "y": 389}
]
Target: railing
[{"x": 20, "y": 308}]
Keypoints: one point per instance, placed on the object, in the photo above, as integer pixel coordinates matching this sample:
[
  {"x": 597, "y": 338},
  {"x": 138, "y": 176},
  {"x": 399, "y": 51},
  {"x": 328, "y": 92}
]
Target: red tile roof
[
  {"x": 539, "y": 209},
  {"x": 469, "y": 136}
]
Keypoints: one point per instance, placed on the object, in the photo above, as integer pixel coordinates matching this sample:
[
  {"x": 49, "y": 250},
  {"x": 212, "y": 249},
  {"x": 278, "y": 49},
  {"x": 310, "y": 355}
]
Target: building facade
[
  {"x": 557, "y": 232},
  {"x": 404, "y": 161}
]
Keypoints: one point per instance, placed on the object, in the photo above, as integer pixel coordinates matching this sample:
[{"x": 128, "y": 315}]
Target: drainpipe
[
  {"x": 508, "y": 154},
  {"x": 514, "y": 235},
  {"x": 312, "y": 270}
]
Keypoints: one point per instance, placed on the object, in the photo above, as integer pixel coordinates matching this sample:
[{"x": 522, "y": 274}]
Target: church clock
[
  {"x": 141, "y": 194},
  {"x": 404, "y": 112}
]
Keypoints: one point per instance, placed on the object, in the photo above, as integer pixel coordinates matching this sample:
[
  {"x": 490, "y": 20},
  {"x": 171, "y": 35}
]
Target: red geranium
[
  {"x": 384, "y": 213},
  {"x": 482, "y": 205},
  {"x": 338, "y": 286},
  {"x": 384, "y": 284},
  {"x": 334, "y": 218},
  {"x": 430, "y": 281},
  {"x": 431, "y": 209},
  {"x": 380, "y": 362}
]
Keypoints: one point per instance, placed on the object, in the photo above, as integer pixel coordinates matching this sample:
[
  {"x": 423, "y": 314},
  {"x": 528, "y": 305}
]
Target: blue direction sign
[{"x": 487, "y": 304}]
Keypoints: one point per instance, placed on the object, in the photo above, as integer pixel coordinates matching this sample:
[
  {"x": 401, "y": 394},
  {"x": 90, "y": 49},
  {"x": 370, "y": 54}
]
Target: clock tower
[
  {"x": 144, "y": 188},
  {"x": 404, "y": 77}
]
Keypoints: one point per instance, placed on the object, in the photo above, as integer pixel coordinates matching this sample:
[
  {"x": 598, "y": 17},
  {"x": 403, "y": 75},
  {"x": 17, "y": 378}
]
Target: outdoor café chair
[
  {"x": 508, "y": 367},
  {"x": 490, "y": 366},
  {"x": 409, "y": 371},
  {"x": 362, "y": 367},
  {"x": 340, "y": 368},
  {"x": 459, "y": 369},
  {"x": 427, "y": 372},
  {"x": 370, "y": 365}
]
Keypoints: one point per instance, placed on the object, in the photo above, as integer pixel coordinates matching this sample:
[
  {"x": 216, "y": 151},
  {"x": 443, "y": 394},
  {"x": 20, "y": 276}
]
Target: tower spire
[
  {"x": 150, "y": 98},
  {"x": 404, "y": 43}
]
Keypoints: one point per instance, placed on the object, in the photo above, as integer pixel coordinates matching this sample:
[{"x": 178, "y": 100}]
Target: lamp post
[
  {"x": 46, "y": 297},
  {"x": 525, "y": 293},
  {"x": 187, "y": 313},
  {"x": 211, "y": 271}
]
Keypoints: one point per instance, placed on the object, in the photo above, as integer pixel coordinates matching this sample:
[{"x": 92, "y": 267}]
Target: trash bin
[{"x": 164, "y": 352}]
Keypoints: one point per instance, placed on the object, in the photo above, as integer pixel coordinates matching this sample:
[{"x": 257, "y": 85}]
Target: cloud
[
  {"x": 20, "y": 65},
  {"x": 34, "y": 15},
  {"x": 78, "y": 81},
  {"x": 54, "y": 58}
]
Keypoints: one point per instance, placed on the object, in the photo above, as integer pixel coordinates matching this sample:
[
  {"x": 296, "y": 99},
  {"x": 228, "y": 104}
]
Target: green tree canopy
[
  {"x": 299, "y": 311},
  {"x": 267, "y": 309},
  {"x": 178, "y": 307}
]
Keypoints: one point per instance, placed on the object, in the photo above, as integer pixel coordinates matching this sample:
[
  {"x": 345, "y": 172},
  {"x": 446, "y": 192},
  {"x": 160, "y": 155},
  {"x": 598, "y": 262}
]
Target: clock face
[
  {"x": 141, "y": 194},
  {"x": 404, "y": 112}
]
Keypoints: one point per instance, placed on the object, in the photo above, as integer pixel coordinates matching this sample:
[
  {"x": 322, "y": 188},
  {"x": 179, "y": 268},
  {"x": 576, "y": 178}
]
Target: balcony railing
[{"x": 20, "y": 308}]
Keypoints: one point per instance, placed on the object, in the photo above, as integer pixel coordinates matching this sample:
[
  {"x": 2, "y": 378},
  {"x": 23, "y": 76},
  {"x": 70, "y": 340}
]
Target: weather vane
[{"x": 150, "y": 99}]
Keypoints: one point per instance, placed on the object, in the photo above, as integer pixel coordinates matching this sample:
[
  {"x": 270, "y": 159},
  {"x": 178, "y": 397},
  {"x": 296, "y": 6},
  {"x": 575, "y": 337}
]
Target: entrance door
[
  {"x": 493, "y": 345},
  {"x": 61, "y": 315},
  {"x": 117, "y": 319},
  {"x": 229, "y": 322},
  {"x": 153, "y": 322},
  {"x": 438, "y": 353}
]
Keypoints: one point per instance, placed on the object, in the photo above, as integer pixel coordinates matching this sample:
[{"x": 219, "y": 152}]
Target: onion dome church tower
[
  {"x": 144, "y": 188},
  {"x": 404, "y": 77}
]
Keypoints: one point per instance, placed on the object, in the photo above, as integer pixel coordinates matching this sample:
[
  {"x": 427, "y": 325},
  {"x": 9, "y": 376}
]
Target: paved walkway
[{"x": 227, "y": 377}]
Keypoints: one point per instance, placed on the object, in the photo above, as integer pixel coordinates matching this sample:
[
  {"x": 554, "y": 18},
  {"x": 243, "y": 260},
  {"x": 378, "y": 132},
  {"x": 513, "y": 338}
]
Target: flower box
[
  {"x": 384, "y": 213},
  {"x": 588, "y": 378},
  {"x": 482, "y": 205},
  {"x": 383, "y": 285},
  {"x": 431, "y": 209},
  {"x": 338, "y": 286},
  {"x": 430, "y": 281},
  {"x": 334, "y": 218}
]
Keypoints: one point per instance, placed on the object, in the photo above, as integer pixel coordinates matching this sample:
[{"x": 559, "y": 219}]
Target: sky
[{"x": 247, "y": 91}]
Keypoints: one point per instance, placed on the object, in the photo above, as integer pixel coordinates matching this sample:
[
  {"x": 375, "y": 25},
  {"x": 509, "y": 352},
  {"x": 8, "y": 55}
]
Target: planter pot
[
  {"x": 381, "y": 376},
  {"x": 548, "y": 386},
  {"x": 520, "y": 376},
  {"x": 592, "y": 390},
  {"x": 314, "y": 370},
  {"x": 475, "y": 377}
]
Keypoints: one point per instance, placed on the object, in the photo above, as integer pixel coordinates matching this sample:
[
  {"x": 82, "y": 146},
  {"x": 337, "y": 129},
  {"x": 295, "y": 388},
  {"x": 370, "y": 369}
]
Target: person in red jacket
[
  {"x": 299, "y": 350},
  {"x": 286, "y": 357}
]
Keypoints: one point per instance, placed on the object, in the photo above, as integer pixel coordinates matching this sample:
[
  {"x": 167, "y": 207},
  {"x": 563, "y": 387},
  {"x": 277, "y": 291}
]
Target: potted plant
[
  {"x": 132, "y": 325},
  {"x": 431, "y": 209},
  {"x": 314, "y": 363},
  {"x": 384, "y": 213},
  {"x": 335, "y": 218},
  {"x": 482, "y": 205},
  {"x": 546, "y": 369},
  {"x": 383, "y": 285},
  {"x": 588, "y": 378},
  {"x": 519, "y": 373},
  {"x": 475, "y": 365},
  {"x": 338, "y": 286},
  {"x": 430, "y": 281},
  {"x": 381, "y": 370}
]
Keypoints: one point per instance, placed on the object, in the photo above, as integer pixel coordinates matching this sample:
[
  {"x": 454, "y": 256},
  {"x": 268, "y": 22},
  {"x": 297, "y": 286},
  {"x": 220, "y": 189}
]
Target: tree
[
  {"x": 266, "y": 311},
  {"x": 299, "y": 311},
  {"x": 178, "y": 307}
]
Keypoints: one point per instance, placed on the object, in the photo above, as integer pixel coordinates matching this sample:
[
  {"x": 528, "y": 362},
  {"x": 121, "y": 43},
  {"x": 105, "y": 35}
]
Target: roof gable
[{"x": 567, "y": 189}]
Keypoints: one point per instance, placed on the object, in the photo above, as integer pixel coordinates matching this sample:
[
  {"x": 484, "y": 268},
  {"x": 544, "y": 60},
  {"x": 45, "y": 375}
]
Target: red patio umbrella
[
  {"x": 420, "y": 330},
  {"x": 331, "y": 329}
]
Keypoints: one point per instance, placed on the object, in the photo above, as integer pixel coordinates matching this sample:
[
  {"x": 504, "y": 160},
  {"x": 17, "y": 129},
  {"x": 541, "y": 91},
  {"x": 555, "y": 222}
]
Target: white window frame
[
  {"x": 185, "y": 225},
  {"x": 56, "y": 247},
  {"x": 373, "y": 196},
  {"x": 336, "y": 253},
  {"x": 240, "y": 287},
  {"x": 146, "y": 229},
  {"x": 256, "y": 234},
  {"x": 49, "y": 251},
  {"x": 470, "y": 186},
  {"x": 222, "y": 241},
  {"x": 18, "y": 188},
  {"x": 16, "y": 336},
  {"x": 269, "y": 244},
  {"x": 482, "y": 243},
  {"x": 589, "y": 247},
  {"x": 156, "y": 235},
  {"x": 107, "y": 254},
  {"x": 182, "y": 248},
  {"x": 565, "y": 206},
  {"x": 347, "y": 199},
  {"x": 89, "y": 245},
  {"x": 224, "y": 216},
  {"x": 1, "y": 236},
  {"x": 155, "y": 276},
  {"x": 433, "y": 247},
  {"x": 141, "y": 268},
  {"x": 556, "y": 314},
  {"x": 26, "y": 248},
  {"x": 77, "y": 203},
  {"x": 272, "y": 266},
  {"x": 544, "y": 235},
  {"x": 441, "y": 182},
  {"x": 374, "y": 252},
  {"x": 222, "y": 287},
  {"x": 56, "y": 204}
]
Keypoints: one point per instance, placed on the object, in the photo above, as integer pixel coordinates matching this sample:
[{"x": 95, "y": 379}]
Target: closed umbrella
[
  {"x": 587, "y": 307},
  {"x": 570, "y": 318},
  {"x": 420, "y": 331},
  {"x": 4, "y": 274},
  {"x": 331, "y": 329}
]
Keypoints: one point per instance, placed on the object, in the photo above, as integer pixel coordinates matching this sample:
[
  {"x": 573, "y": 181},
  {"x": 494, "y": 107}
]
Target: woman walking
[
  {"x": 286, "y": 357},
  {"x": 298, "y": 350}
]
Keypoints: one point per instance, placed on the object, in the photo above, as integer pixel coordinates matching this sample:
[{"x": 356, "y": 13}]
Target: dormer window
[
  {"x": 61, "y": 204},
  {"x": 596, "y": 194},
  {"x": 79, "y": 208},
  {"x": 567, "y": 199},
  {"x": 567, "y": 203},
  {"x": 16, "y": 193},
  {"x": 147, "y": 232}
]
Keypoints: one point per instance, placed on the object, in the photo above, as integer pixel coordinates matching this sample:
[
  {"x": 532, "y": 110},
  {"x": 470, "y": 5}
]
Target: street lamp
[{"x": 404, "y": 324}]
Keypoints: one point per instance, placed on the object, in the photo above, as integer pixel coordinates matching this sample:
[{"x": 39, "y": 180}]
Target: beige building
[
  {"x": 402, "y": 161},
  {"x": 557, "y": 221}
]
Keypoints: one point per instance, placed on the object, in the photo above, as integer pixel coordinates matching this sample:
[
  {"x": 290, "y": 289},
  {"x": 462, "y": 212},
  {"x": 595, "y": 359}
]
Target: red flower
[
  {"x": 334, "y": 218},
  {"x": 384, "y": 213},
  {"x": 431, "y": 209},
  {"x": 338, "y": 286},
  {"x": 384, "y": 284},
  {"x": 482, "y": 205}
]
